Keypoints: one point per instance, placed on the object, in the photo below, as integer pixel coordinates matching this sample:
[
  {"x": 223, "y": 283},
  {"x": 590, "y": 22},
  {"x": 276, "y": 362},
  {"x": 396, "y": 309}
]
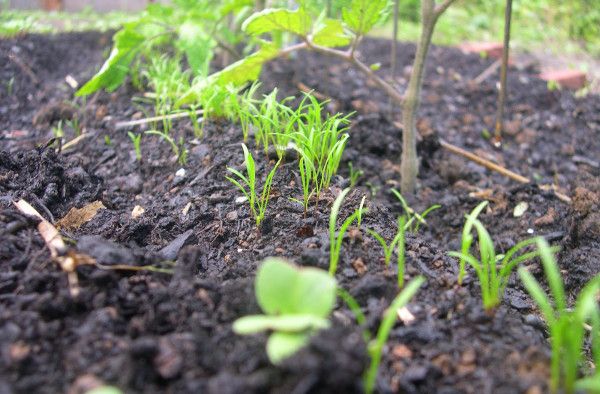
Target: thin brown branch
[
  {"x": 348, "y": 57},
  {"x": 138, "y": 122},
  {"x": 483, "y": 162},
  {"x": 441, "y": 8}
]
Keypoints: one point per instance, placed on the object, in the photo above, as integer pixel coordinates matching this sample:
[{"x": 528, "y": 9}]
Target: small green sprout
[
  {"x": 296, "y": 301},
  {"x": 414, "y": 220},
  {"x": 566, "y": 326},
  {"x": 335, "y": 242},
  {"x": 104, "y": 390},
  {"x": 247, "y": 185},
  {"x": 307, "y": 171},
  {"x": 389, "y": 318},
  {"x": 354, "y": 174},
  {"x": 74, "y": 124},
  {"x": 178, "y": 148},
  {"x": 387, "y": 249},
  {"x": 58, "y": 130},
  {"x": 467, "y": 239},
  {"x": 107, "y": 140},
  {"x": 401, "y": 260},
  {"x": 492, "y": 270},
  {"x": 136, "y": 139}
]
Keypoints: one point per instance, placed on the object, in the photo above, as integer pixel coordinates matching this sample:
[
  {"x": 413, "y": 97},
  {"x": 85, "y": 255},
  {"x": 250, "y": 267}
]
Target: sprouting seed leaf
[
  {"x": 375, "y": 66},
  {"x": 282, "y": 345},
  {"x": 331, "y": 34},
  {"x": 284, "y": 289},
  {"x": 288, "y": 323},
  {"x": 520, "y": 209},
  {"x": 278, "y": 19}
]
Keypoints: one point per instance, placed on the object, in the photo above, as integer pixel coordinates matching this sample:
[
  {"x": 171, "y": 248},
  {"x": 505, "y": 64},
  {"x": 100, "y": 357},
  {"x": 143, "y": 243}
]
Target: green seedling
[
  {"x": 296, "y": 303},
  {"x": 414, "y": 220},
  {"x": 105, "y": 390},
  {"x": 467, "y": 239},
  {"x": 355, "y": 173},
  {"x": 383, "y": 333},
  {"x": 136, "y": 139},
  {"x": 493, "y": 271},
  {"x": 566, "y": 326},
  {"x": 401, "y": 259},
  {"x": 307, "y": 171},
  {"x": 179, "y": 149},
  {"x": 247, "y": 185},
  {"x": 107, "y": 140},
  {"x": 388, "y": 250},
  {"x": 74, "y": 124},
  {"x": 58, "y": 130},
  {"x": 320, "y": 142},
  {"x": 335, "y": 242}
]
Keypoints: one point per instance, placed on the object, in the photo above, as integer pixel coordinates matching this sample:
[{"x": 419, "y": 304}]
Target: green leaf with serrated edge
[
  {"x": 236, "y": 74},
  {"x": 288, "y": 323},
  {"x": 197, "y": 45},
  {"x": 282, "y": 345},
  {"x": 330, "y": 33},
  {"x": 115, "y": 68},
  {"x": 363, "y": 15},
  {"x": 278, "y": 19}
]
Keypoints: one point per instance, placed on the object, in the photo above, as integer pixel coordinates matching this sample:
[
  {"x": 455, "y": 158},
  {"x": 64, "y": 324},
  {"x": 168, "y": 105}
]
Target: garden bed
[{"x": 154, "y": 332}]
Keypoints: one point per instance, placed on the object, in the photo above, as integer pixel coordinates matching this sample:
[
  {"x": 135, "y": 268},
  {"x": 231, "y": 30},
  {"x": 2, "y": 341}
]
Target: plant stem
[{"x": 503, "y": 72}]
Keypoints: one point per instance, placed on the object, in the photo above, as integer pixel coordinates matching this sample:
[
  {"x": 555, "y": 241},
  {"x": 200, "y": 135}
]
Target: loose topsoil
[{"x": 148, "y": 332}]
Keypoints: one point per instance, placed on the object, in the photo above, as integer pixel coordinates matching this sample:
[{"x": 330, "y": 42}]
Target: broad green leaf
[
  {"x": 287, "y": 323},
  {"x": 282, "y": 345},
  {"x": 274, "y": 283},
  {"x": 283, "y": 289},
  {"x": 277, "y": 19},
  {"x": 314, "y": 293},
  {"x": 331, "y": 34},
  {"x": 198, "y": 46},
  {"x": 234, "y": 6},
  {"x": 236, "y": 74},
  {"x": 115, "y": 69},
  {"x": 364, "y": 14}
]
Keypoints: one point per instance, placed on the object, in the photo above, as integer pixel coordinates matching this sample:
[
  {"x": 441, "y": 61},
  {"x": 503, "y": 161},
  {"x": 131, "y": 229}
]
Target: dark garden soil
[{"x": 151, "y": 332}]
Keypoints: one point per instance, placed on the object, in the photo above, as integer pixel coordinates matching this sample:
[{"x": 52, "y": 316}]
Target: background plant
[
  {"x": 296, "y": 301},
  {"x": 136, "y": 139},
  {"x": 566, "y": 327},
  {"x": 335, "y": 240},
  {"x": 247, "y": 185}
]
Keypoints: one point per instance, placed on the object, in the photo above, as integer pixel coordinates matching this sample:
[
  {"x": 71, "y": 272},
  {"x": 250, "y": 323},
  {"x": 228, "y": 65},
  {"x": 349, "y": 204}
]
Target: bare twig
[
  {"x": 503, "y": 72},
  {"x": 304, "y": 88},
  {"x": 24, "y": 67},
  {"x": 138, "y": 122},
  {"x": 488, "y": 72},
  {"x": 485, "y": 163}
]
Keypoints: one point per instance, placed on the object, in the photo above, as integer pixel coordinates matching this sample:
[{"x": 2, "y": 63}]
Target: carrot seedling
[
  {"x": 247, "y": 185},
  {"x": 296, "y": 303},
  {"x": 136, "y": 139},
  {"x": 335, "y": 241},
  {"x": 389, "y": 318},
  {"x": 178, "y": 149},
  {"x": 566, "y": 326},
  {"x": 493, "y": 271},
  {"x": 414, "y": 220}
]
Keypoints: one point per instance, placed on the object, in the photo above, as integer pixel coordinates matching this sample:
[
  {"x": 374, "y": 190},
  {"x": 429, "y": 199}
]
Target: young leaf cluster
[
  {"x": 493, "y": 271},
  {"x": 566, "y": 326},
  {"x": 296, "y": 303},
  {"x": 258, "y": 201}
]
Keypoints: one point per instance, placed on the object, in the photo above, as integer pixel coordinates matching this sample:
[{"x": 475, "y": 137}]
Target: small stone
[
  {"x": 402, "y": 351},
  {"x": 231, "y": 216},
  {"x": 180, "y": 172},
  {"x": 137, "y": 211},
  {"x": 241, "y": 200},
  {"x": 405, "y": 316}
]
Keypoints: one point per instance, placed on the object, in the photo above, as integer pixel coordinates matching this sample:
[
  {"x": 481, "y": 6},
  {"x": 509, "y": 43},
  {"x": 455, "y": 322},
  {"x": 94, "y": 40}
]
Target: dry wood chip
[{"x": 76, "y": 217}]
